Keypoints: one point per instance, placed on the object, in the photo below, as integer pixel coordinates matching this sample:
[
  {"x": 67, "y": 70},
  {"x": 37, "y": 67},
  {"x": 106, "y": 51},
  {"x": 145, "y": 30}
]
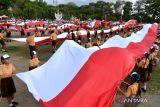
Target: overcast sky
[{"x": 81, "y": 2}]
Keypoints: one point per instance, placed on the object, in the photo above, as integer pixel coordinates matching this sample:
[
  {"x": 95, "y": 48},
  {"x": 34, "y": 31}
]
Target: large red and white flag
[
  {"x": 78, "y": 77},
  {"x": 40, "y": 40}
]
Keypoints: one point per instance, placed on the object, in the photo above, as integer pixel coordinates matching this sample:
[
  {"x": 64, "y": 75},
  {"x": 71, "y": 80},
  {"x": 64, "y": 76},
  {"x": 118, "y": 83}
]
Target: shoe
[
  {"x": 144, "y": 90},
  {"x": 15, "y": 103}
]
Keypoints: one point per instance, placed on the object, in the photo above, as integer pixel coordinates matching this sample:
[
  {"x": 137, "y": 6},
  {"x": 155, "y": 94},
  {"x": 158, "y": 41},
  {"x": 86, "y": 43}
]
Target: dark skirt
[
  {"x": 31, "y": 68},
  {"x": 143, "y": 74},
  {"x": 54, "y": 42},
  {"x": 31, "y": 49},
  {"x": 8, "y": 34},
  {"x": 150, "y": 68},
  {"x": 7, "y": 87}
]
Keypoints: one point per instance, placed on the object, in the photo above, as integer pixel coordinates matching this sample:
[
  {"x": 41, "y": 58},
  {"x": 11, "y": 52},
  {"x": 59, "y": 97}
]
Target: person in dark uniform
[
  {"x": 22, "y": 31},
  {"x": 53, "y": 37},
  {"x": 79, "y": 37},
  {"x": 31, "y": 43},
  {"x": 102, "y": 33},
  {"x": 88, "y": 35},
  {"x": 61, "y": 30},
  {"x": 73, "y": 35},
  {"x": 7, "y": 70},
  {"x": 67, "y": 29},
  {"x": 89, "y": 43},
  {"x": 133, "y": 91},
  {"x": 8, "y": 33},
  {"x": 69, "y": 36},
  {"x": 2, "y": 41},
  {"x": 158, "y": 40},
  {"x": 142, "y": 69},
  {"x": 95, "y": 33},
  {"x": 151, "y": 62},
  {"x": 98, "y": 41},
  {"x": 46, "y": 32},
  {"x": 156, "y": 45},
  {"x": 78, "y": 33}
]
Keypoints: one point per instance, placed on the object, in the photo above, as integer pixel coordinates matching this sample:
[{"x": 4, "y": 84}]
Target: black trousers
[{"x": 31, "y": 49}]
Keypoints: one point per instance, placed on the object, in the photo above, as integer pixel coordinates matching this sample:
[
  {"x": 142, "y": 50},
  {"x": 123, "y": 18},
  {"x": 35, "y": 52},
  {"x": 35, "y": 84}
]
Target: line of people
[
  {"x": 7, "y": 68},
  {"x": 3, "y": 38},
  {"x": 140, "y": 78}
]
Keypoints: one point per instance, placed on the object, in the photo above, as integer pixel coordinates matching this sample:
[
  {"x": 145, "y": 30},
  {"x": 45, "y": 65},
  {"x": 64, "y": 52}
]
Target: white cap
[
  {"x": 135, "y": 75},
  {"x": 5, "y": 56},
  {"x": 152, "y": 47},
  {"x": 79, "y": 41},
  {"x": 145, "y": 53},
  {"x": 34, "y": 52},
  {"x": 155, "y": 45},
  {"x": 99, "y": 37}
]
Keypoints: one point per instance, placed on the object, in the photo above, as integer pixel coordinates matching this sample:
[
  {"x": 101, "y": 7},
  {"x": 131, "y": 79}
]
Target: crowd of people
[
  {"x": 7, "y": 69},
  {"x": 142, "y": 75}
]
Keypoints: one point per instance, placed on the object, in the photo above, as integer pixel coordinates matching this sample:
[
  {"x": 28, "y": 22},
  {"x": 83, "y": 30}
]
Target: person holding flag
[
  {"x": 7, "y": 71},
  {"x": 34, "y": 61}
]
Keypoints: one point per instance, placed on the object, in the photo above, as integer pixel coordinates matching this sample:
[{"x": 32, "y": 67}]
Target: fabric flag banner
[
  {"x": 36, "y": 23},
  {"x": 60, "y": 37},
  {"x": 78, "y": 77},
  {"x": 95, "y": 24},
  {"x": 66, "y": 25},
  {"x": 130, "y": 22}
]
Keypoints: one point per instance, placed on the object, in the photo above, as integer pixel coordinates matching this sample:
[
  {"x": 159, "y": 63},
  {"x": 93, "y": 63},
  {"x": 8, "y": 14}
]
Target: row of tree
[{"x": 142, "y": 10}]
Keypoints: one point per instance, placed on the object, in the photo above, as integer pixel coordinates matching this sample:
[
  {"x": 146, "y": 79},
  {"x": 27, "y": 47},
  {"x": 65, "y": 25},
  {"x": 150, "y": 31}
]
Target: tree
[
  {"x": 152, "y": 7},
  {"x": 139, "y": 11},
  {"x": 49, "y": 12},
  {"x": 118, "y": 9},
  {"x": 5, "y": 5},
  {"x": 139, "y": 6},
  {"x": 127, "y": 11},
  {"x": 144, "y": 10}
]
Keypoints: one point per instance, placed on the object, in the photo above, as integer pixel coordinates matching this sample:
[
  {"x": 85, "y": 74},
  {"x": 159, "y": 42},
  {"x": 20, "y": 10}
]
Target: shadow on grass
[
  {"x": 13, "y": 48},
  {"x": 19, "y": 50}
]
